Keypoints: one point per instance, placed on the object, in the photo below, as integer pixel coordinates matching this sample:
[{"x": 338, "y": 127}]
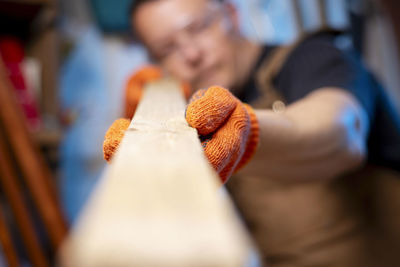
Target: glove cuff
[{"x": 254, "y": 138}]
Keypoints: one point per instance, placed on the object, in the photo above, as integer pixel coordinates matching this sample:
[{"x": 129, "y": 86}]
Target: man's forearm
[{"x": 318, "y": 137}]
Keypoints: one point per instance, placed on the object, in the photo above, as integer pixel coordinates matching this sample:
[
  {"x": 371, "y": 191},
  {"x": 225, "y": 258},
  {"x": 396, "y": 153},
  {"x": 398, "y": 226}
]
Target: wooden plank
[{"x": 158, "y": 203}]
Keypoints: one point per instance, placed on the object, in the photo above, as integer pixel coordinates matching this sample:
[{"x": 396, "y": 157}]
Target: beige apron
[{"x": 352, "y": 220}]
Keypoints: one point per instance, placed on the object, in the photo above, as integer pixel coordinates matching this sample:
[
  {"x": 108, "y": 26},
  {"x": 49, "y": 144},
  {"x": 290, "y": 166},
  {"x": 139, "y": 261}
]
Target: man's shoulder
[
  {"x": 321, "y": 44},
  {"x": 313, "y": 48}
]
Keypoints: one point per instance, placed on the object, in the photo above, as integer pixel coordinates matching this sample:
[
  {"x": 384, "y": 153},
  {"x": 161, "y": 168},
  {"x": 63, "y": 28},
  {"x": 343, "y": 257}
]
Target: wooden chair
[{"x": 22, "y": 166}]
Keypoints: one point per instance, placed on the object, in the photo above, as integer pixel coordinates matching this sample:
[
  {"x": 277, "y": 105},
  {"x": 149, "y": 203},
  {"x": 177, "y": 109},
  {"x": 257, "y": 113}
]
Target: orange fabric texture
[
  {"x": 113, "y": 137},
  {"x": 253, "y": 140},
  {"x": 228, "y": 129}
]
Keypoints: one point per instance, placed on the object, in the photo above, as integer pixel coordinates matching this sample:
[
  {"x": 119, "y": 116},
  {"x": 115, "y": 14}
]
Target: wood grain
[{"x": 158, "y": 203}]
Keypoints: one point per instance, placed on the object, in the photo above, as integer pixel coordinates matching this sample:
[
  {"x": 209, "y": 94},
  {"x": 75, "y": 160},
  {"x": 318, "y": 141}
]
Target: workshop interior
[{"x": 64, "y": 69}]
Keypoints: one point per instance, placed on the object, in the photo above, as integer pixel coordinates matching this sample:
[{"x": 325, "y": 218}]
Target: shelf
[
  {"x": 28, "y": 2},
  {"x": 32, "y": 22},
  {"x": 23, "y": 10},
  {"x": 18, "y": 17}
]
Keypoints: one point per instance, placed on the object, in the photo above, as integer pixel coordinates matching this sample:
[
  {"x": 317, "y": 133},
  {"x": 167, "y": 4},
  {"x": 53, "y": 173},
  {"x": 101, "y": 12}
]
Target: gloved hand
[
  {"x": 133, "y": 93},
  {"x": 228, "y": 129}
]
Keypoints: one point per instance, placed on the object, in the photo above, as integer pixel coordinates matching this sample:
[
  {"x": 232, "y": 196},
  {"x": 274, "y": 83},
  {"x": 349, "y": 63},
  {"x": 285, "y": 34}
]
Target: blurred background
[{"x": 66, "y": 63}]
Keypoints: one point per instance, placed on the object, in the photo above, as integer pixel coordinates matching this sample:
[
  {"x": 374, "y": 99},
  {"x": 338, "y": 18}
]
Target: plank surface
[{"x": 158, "y": 203}]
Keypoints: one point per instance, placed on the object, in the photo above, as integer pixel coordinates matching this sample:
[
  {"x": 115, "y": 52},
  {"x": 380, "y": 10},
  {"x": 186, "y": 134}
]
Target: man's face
[{"x": 193, "y": 40}]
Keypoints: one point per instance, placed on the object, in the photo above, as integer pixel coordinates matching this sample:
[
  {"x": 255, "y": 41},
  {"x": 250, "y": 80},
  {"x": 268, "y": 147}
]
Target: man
[{"x": 321, "y": 117}]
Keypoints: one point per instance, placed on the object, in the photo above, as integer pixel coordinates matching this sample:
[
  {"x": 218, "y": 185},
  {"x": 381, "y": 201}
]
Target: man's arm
[{"x": 318, "y": 137}]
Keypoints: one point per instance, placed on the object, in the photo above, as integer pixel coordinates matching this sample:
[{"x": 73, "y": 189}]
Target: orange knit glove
[
  {"x": 134, "y": 87},
  {"x": 228, "y": 129},
  {"x": 113, "y": 137}
]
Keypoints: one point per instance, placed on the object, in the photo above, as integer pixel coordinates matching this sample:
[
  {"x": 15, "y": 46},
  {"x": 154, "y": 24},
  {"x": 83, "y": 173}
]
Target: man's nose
[
  {"x": 192, "y": 54},
  {"x": 191, "y": 51}
]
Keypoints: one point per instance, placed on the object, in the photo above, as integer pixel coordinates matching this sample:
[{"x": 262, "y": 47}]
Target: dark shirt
[{"x": 318, "y": 62}]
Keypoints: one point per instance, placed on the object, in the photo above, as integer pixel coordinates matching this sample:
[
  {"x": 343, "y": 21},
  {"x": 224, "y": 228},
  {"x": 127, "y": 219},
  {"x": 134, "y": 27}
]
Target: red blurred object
[{"x": 12, "y": 53}]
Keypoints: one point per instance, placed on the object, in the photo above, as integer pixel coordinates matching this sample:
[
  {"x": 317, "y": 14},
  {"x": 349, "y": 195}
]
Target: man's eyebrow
[
  {"x": 184, "y": 22},
  {"x": 161, "y": 43}
]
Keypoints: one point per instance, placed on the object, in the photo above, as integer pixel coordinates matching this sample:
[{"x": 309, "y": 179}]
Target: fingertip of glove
[
  {"x": 145, "y": 74},
  {"x": 148, "y": 73},
  {"x": 113, "y": 137},
  {"x": 197, "y": 95},
  {"x": 208, "y": 109},
  {"x": 186, "y": 89},
  {"x": 119, "y": 126}
]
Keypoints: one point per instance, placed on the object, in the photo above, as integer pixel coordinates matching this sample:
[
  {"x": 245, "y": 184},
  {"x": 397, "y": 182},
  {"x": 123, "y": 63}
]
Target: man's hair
[
  {"x": 132, "y": 10},
  {"x": 137, "y": 3}
]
